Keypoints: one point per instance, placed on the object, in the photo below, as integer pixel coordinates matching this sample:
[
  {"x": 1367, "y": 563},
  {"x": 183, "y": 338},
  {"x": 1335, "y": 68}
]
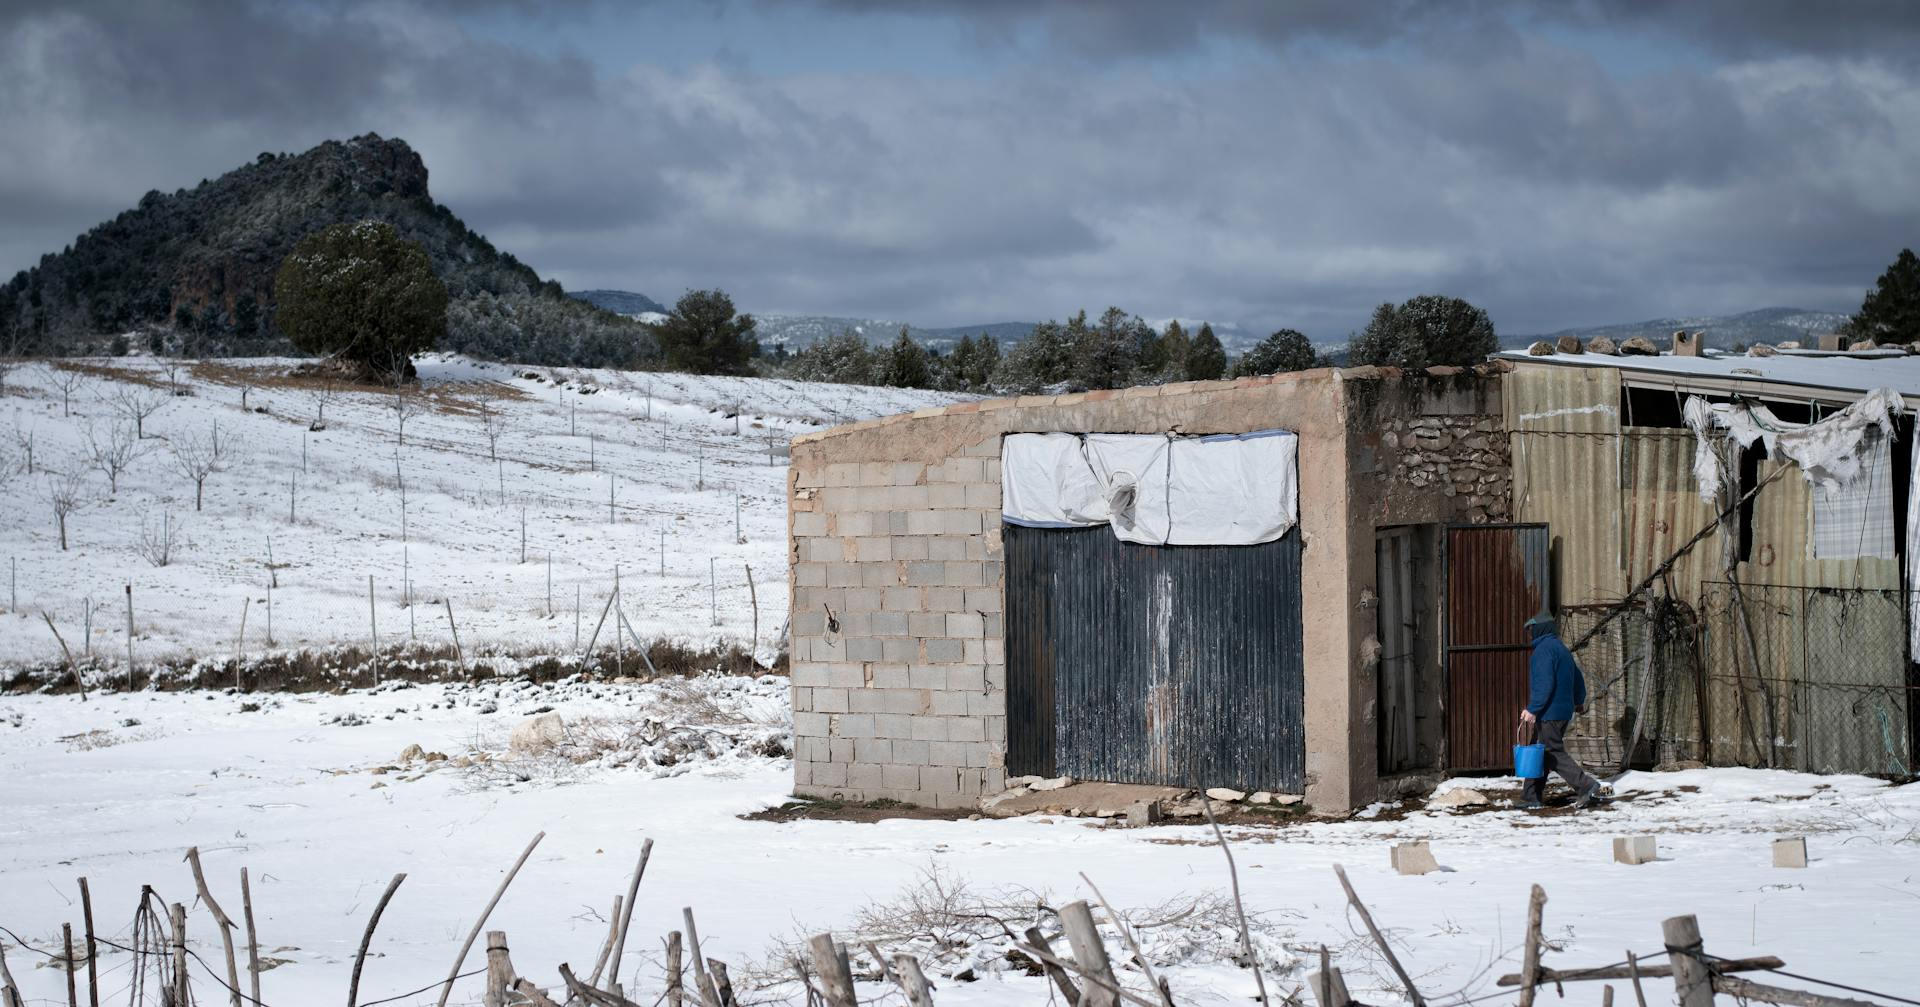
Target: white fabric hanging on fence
[
  {"x": 1155, "y": 489},
  {"x": 1828, "y": 452}
]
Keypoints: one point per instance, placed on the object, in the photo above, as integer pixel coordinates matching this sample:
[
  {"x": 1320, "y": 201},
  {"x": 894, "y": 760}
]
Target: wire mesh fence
[
  {"x": 1806, "y": 678},
  {"x": 1814, "y": 679}
]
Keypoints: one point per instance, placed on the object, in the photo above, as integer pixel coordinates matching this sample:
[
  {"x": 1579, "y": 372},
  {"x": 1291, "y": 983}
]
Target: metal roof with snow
[{"x": 1792, "y": 375}]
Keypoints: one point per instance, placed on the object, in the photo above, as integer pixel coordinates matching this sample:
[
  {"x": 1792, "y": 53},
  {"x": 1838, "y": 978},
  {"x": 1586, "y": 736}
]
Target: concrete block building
[{"x": 942, "y": 642}]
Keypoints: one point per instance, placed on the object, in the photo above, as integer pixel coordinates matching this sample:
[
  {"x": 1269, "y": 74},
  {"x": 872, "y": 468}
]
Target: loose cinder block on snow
[
  {"x": 1634, "y": 850},
  {"x": 1414, "y": 859}
]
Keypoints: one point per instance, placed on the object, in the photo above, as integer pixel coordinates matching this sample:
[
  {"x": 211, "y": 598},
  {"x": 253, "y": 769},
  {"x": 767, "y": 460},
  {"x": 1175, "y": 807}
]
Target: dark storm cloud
[{"x": 1489, "y": 153}]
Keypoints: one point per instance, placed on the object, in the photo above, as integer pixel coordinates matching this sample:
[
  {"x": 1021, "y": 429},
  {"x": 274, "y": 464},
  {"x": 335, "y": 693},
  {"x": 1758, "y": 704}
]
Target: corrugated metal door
[
  {"x": 1172, "y": 665},
  {"x": 1497, "y": 579}
]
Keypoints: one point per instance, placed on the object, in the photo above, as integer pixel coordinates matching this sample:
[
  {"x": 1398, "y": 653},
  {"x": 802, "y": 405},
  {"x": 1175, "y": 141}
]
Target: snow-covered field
[
  {"x": 298, "y": 791},
  {"x": 676, "y": 452}
]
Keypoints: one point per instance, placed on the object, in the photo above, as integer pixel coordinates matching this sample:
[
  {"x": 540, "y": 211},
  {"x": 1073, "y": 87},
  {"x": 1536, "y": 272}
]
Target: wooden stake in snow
[
  {"x": 713, "y": 591},
  {"x": 129, "y": 637},
  {"x": 220, "y": 919},
  {"x": 606, "y": 949},
  {"x": 830, "y": 962},
  {"x": 1530, "y": 953},
  {"x": 626, "y": 917},
  {"x": 446, "y": 988},
  {"x": 674, "y": 994},
  {"x": 72, "y": 668},
  {"x": 253, "y": 939},
  {"x": 86, "y": 917},
  {"x": 373, "y": 630},
  {"x": 753, "y": 597},
  {"x": 71, "y": 966},
  {"x": 1692, "y": 981},
  {"x": 1090, "y": 955},
  {"x": 1386, "y": 950},
  {"x": 360, "y": 958},
  {"x": 177, "y": 916},
  {"x": 240, "y": 642},
  {"x": 457, "y": 652}
]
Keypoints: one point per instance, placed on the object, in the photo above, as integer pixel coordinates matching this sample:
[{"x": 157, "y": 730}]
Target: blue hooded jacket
[{"x": 1554, "y": 683}]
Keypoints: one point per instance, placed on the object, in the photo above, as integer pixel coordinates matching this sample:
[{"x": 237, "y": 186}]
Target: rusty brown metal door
[{"x": 1497, "y": 579}]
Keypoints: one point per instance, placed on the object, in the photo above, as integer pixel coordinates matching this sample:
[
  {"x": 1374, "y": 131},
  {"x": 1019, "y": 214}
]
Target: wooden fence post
[
  {"x": 373, "y": 630},
  {"x": 830, "y": 962},
  {"x": 86, "y": 916},
  {"x": 499, "y": 969},
  {"x": 457, "y": 652},
  {"x": 1099, "y": 988},
  {"x": 1692, "y": 982},
  {"x": 177, "y": 916},
  {"x": 1530, "y": 955}
]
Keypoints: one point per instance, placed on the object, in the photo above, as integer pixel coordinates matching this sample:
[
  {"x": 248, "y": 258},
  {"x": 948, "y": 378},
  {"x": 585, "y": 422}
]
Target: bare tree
[
  {"x": 173, "y": 366},
  {"x": 325, "y": 389},
  {"x": 66, "y": 492},
  {"x": 158, "y": 539},
  {"x": 114, "y": 453},
  {"x": 68, "y": 381},
  {"x": 406, "y": 403},
  {"x": 493, "y": 419},
  {"x": 197, "y": 458},
  {"x": 136, "y": 402},
  {"x": 247, "y": 381},
  {"x": 24, "y": 438}
]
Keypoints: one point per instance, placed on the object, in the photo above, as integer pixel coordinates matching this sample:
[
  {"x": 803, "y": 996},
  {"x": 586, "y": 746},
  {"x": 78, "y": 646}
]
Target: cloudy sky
[{"x": 1262, "y": 163}]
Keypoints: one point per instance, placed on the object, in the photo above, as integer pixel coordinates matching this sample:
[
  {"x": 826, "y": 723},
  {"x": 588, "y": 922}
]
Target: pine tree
[
  {"x": 1207, "y": 360},
  {"x": 1891, "y": 311},
  {"x": 1043, "y": 359},
  {"x": 361, "y": 292},
  {"x": 1425, "y": 331},
  {"x": 905, "y": 364},
  {"x": 1174, "y": 347},
  {"x": 703, "y": 335},
  {"x": 1108, "y": 352},
  {"x": 1285, "y": 350}
]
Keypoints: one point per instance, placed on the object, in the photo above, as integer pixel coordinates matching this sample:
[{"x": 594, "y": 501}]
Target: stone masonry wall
[
  {"x": 1466, "y": 457},
  {"x": 899, "y": 666}
]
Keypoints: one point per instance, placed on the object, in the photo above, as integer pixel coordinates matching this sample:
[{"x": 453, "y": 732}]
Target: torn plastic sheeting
[
  {"x": 1828, "y": 452},
  {"x": 1155, "y": 489}
]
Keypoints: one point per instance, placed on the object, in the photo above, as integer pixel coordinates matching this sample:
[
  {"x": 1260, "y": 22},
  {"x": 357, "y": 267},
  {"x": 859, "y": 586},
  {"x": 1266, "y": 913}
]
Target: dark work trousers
[{"x": 1553, "y": 734}]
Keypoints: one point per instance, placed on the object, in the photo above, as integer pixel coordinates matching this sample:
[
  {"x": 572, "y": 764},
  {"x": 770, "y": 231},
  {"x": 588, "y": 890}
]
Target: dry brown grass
[
  {"x": 455, "y": 398},
  {"x": 110, "y": 373}
]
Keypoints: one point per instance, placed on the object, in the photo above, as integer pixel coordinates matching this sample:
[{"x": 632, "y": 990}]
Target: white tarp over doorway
[{"x": 1155, "y": 489}]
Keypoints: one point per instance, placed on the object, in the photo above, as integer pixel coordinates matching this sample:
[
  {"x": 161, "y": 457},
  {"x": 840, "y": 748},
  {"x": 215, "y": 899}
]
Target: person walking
[{"x": 1556, "y": 690}]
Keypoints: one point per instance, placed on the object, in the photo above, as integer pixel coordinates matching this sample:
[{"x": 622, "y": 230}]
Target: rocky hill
[{"x": 192, "y": 271}]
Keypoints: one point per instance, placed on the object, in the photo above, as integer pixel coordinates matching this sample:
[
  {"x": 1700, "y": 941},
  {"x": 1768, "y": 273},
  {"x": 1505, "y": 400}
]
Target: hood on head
[{"x": 1541, "y": 625}]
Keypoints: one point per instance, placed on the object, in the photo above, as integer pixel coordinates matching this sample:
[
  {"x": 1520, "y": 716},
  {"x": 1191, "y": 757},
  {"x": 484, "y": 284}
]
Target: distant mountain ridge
[
  {"x": 1762, "y": 325},
  {"x": 194, "y": 269}
]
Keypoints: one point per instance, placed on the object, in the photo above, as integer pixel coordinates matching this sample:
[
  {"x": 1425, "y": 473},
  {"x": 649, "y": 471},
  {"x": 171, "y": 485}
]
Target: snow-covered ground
[
  {"x": 115, "y": 790},
  {"x": 676, "y": 451}
]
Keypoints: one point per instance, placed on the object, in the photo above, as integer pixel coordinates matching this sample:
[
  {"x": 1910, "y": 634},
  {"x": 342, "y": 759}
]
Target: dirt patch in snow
[{"x": 807, "y": 810}]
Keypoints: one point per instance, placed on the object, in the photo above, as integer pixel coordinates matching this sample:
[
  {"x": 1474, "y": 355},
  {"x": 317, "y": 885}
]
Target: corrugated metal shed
[
  {"x": 1662, "y": 509},
  {"x": 1565, "y": 424}
]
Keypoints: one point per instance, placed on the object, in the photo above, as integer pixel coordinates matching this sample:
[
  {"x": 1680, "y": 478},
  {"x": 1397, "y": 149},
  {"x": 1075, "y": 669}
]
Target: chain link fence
[
  {"x": 1810, "y": 679},
  {"x": 1813, "y": 679}
]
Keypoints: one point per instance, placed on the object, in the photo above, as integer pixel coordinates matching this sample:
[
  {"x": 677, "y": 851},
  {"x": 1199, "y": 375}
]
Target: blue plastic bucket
[{"x": 1530, "y": 761}]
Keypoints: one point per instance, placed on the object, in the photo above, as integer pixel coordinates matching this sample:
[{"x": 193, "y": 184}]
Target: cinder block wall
[{"x": 899, "y": 667}]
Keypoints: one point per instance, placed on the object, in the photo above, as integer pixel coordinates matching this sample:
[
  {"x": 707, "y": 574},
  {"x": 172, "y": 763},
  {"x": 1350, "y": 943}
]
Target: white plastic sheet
[
  {"x": 1828, "y": 452},
  {"x": 1155, "y": 489}
]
